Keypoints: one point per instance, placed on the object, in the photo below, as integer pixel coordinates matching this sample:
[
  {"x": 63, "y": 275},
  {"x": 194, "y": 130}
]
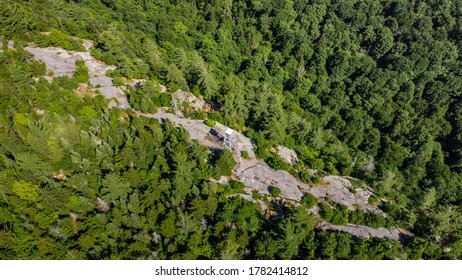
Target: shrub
[
  {"x": 57, "y": 38},
  {"x": 339, "y": 219},
  {"x": 375, "y": 221},
  {"x": 305, "y": 176},
  {"x": 210, "y": 122},
  {"x": 256, "y": 195},
  {"x": 275, "y": 191},
  {"x": 199, "y": 115},
  {"x": 215, "y": 115},
  {"x": 326, "y": 212},
  {"x": 26, "y": 190},
  {"x": 373, "y": 200},
  {"x": 81, "y": 73},
  {"x": 275, "y": 162},
  {"x": 308, "y": 200},
  {"x": 234, "y": 187},
  {"x": 340, "y": 216},
  {"x": 315, "y": 179},
  {"x": 165, "y": 100},
  {"x": 118, "y": 81},
  {"x": 356, "y": 217},
  {"x": 224, "y": 163}
]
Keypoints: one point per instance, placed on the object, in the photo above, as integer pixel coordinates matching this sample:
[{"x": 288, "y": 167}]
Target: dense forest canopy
[{"x": 367, "y": 88}]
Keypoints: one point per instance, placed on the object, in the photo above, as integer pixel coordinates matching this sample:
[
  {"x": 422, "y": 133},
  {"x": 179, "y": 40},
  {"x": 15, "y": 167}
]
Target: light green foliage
[
  {"x": 23, "y": 242},
  {"x": 428, "y": 199},
  {"x": 176, "y": 77},
  {"x": 87, "y": 113},
  {"x": 21, "y": 119},
  {"x": 56, "y": 153},
  {"x": 57, "y": 38},
  {"x": 26, "y": 190},
  {"x": 45, "y": 219},
  {"x": 81, "y": 73},
  {"x": 210, "y": 122}
]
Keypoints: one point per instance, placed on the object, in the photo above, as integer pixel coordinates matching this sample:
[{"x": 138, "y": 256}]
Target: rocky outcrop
[
  {"x": 259, "y": 176},
  {"x": 286, "y": 154},
  {"x": 62, "y": 63},
  {"x": 369, "y": 232},
  {"x": 255, "y": 174},
  {"x": 196, "y": 103}
]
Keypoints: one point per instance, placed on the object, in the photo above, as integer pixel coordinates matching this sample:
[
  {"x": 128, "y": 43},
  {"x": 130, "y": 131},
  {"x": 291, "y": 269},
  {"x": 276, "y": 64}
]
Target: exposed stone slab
[{"x": 369, "y": 232}]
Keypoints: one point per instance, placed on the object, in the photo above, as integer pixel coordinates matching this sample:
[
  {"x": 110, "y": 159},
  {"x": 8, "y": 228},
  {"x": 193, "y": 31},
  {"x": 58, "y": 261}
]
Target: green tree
[
  {"x": 224, "y": 163},
  {"x": 81, "y": 73},
  {"x": 26, "y": 190},
  {"x": 308, "y": 200},
  {"x": 115, "y": 187}
]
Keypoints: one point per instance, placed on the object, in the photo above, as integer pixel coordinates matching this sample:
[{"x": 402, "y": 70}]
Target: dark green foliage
[
  {"x": 275, "y": 191},
  {"x": 416, "y": 248},
  {"x": 315, "y": 179},
  {"x": 223, "y": 163},
  {"x": 374, "y": 220},
  {"x": 340, "y": 216},
  {"x": 308, "y": 200},
  {"x": 148, "y": 98},
  {"x": 276, "y": 163},
  {"x": 334, "y": 213},
  {"x": 326, "y": 212},
  {"x": 305, "y": 176},
  {"x": 356, "y": 217},
  {"x": 234, "y": 187}
]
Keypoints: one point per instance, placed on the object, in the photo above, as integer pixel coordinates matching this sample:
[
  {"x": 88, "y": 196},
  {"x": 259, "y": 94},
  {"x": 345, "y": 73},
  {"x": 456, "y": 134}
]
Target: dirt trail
[{"x": 255, "y": 174}]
